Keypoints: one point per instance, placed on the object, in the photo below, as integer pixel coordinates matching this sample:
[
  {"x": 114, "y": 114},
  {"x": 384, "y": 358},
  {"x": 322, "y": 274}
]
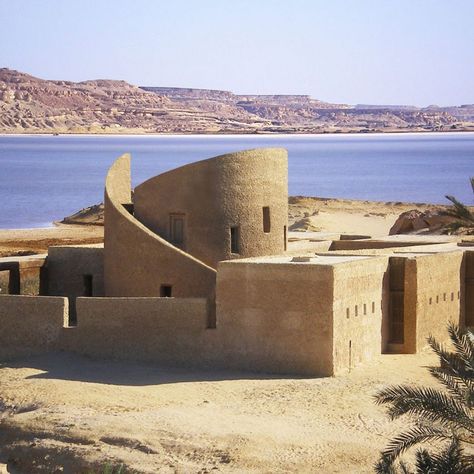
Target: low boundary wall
[
  {"x": 172, "y": 331},
  {"x": 30, "y": 325}
]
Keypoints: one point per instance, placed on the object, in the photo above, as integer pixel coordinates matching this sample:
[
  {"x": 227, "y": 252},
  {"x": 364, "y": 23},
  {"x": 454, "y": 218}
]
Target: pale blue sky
[{"x": 417, "y": 52}]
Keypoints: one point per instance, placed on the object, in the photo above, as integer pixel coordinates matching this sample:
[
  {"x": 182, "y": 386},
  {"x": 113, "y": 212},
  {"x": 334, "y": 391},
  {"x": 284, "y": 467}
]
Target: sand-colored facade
[
  {"x": 213, "y": 196},
  {"x": 197, "y": 270}
]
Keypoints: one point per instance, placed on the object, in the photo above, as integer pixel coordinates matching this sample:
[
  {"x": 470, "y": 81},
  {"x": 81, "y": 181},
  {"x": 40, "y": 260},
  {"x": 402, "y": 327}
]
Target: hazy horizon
[{"x": 418, "y": 52}]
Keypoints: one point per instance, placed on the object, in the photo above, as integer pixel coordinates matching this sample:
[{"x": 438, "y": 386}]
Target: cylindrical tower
[{"x": 230, "y": 206}]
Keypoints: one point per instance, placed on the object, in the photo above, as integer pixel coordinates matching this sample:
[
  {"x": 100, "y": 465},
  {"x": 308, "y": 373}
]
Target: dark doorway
[{"x": 88, "y": 285}]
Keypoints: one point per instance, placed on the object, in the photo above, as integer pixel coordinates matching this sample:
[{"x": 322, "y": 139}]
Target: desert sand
[{"x": 65, "y": 412}]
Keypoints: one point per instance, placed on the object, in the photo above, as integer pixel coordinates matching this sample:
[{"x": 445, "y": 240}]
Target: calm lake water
[{"x": 44, "y": 178}]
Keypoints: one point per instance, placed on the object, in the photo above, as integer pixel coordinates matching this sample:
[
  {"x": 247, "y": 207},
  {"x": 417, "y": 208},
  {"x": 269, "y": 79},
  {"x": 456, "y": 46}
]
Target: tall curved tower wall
[
  {"x": 230, "y": 206},
  {"x": 138, "y": 262}
]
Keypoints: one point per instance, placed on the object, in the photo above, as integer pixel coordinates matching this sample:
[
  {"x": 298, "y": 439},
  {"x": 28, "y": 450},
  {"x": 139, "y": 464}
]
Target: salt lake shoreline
[{"x": 317, "y": 214}]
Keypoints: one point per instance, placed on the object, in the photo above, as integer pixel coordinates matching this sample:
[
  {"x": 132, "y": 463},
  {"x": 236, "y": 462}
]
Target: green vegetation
[
  {"x": 442, "y": 418},
  {"x": 463, "y": 216}
]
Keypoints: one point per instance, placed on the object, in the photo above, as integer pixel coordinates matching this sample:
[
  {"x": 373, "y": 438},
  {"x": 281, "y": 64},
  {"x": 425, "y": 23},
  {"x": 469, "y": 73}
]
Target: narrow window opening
[
  {"x": 431, "y": 300},
  {"x": 165, "y": 291},
  {"x": 348, "y": 313},
  {"x": 88, "y": 285},
  {"x": 284, "y": 237},
  {"x": 437, "y": 299},
  {"x": 177, "y": 230},
  {"x": 350, "y": 354},
  {"x": 266, "y": 219},
  {"x": 365, "y": 309},
  {"x": 444, "y": 296},
  {"x": 373, "y": 307},
  {"x": 452, "y": 296},
  {"x": 234, "y": 240},
  {"x": 356, "y": 310}
]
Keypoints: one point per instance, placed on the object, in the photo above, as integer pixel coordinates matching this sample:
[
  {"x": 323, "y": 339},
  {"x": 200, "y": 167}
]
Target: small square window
[{"x": 165, "y": 291}]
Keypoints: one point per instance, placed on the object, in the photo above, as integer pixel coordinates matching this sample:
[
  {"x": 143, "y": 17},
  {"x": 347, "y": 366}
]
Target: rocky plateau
[{"x": 32, "y": 105}]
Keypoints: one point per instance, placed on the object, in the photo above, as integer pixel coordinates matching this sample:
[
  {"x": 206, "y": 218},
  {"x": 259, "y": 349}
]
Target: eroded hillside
[{"x": 32, "y": 105}]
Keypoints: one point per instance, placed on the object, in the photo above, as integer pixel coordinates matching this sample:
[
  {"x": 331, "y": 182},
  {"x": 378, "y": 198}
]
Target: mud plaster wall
[
  {"x": 30, "y": 324},
  {"x": 276, "y": 317},
  {"x": 137, "y": 261},
  {"x": 360, "y": 305},
  {"x": 161, "y": 330},
  {"x": 214, "y": 195},
  {"x": 23, "y": 275},
  {"x": 67, "y": 267},
  {"x": 437, "y": 293}
]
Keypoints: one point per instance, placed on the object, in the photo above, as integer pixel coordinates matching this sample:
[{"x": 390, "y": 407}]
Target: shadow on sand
[{"x": 69, "y": 366}]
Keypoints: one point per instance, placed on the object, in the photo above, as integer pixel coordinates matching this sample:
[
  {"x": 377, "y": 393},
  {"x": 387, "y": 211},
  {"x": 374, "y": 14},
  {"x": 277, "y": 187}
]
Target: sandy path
[{"x": 85, "y": 412}]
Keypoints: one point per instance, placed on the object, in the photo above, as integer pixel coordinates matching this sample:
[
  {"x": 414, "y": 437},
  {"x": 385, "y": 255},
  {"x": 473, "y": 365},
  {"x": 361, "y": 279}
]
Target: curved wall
[
  {"x": 216, "y": 194},
  {"x": 137, "y": 261}
]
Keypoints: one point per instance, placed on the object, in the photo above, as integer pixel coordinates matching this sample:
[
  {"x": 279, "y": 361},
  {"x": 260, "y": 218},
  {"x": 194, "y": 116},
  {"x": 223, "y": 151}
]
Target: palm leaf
[
  {"x": 449, "y": 461},
  {"x": 426, "y": 402},
  {"x": 460, "y": 387},
  {"x": 458, "y": 210},
  {"x": 464, "y": 347},
  {"x": 412, "y": 437},
  {"x": 450, "y": 360}
]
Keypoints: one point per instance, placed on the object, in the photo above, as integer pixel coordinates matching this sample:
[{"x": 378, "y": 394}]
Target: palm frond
[
  {"x": 460, "y": 387},
  {"x": 424, "y": 461},
  {"x": 450, "y": 360},
  {"x": 464, "y": 347},
  {"x": 449, "y": 461},
  {"x": 412, "y": 437},
  {"x": 458, "y": 210},
  {"x": 427, "y": 403}
]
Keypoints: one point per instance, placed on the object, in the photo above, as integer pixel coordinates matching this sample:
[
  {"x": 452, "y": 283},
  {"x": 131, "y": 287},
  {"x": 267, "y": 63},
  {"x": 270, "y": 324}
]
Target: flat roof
[
  {"x": 78, "y": 246},
  {"x": 303, "y": 259}
]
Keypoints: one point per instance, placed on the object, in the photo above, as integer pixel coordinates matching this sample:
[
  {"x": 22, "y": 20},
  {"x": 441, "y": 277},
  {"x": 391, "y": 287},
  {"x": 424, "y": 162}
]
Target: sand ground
[{"x": 65, "y": 413}]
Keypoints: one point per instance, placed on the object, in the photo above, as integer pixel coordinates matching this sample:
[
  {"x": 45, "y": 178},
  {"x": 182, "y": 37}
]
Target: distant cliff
[{"x": 32, "y": 105}]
